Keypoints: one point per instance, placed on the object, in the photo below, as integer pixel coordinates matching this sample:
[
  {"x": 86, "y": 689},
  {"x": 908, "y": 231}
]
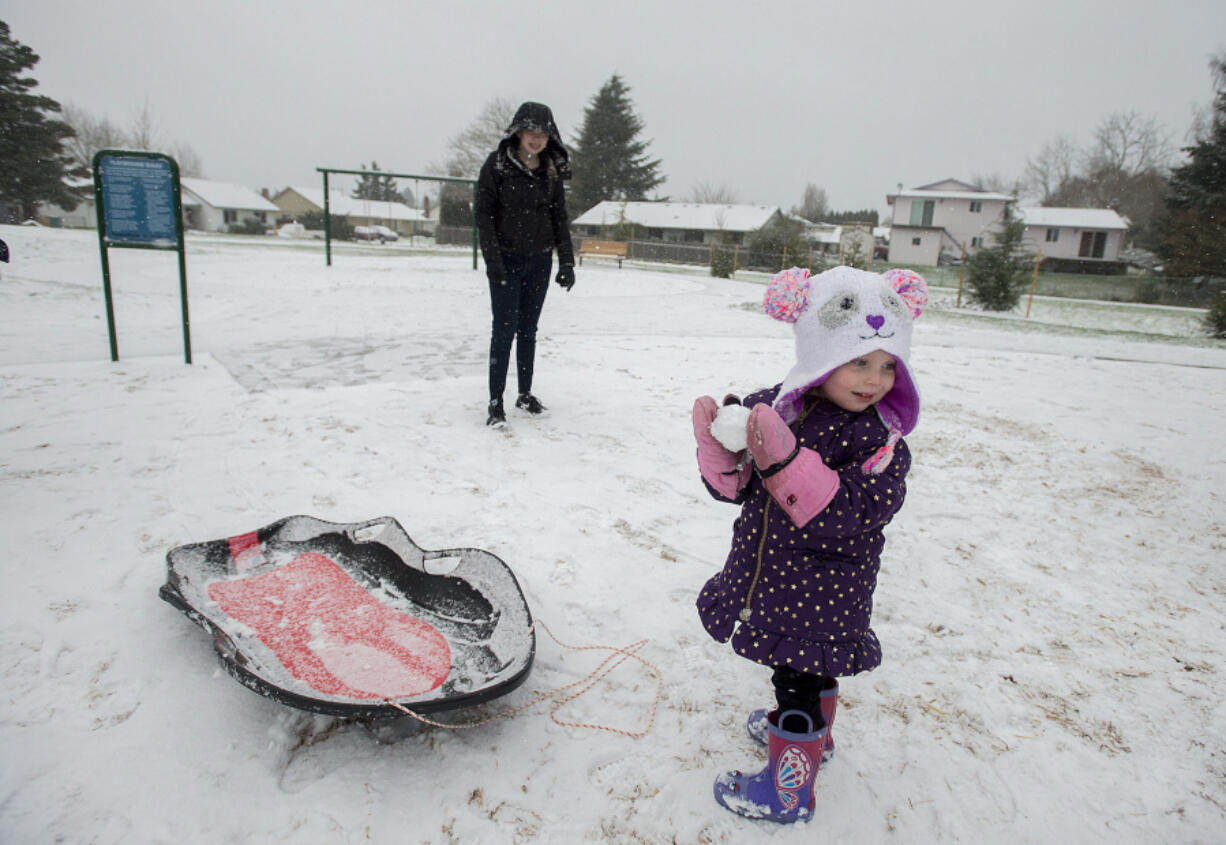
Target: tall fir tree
[
  {"x": 608, "y": 159},
  {"x": 34, "y": 159},
  {"x": 1194, "y": 229}
]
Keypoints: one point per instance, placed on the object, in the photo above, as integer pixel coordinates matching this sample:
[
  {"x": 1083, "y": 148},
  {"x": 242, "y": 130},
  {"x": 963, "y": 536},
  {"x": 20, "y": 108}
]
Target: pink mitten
[
  {"x": 718, "y": 465},
  {"x": 770, "y": 440},
  {"x": 796, "y": 478}
]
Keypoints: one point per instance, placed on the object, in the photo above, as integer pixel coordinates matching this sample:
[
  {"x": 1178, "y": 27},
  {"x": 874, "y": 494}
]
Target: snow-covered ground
[{"x": 1052, "y": 601}]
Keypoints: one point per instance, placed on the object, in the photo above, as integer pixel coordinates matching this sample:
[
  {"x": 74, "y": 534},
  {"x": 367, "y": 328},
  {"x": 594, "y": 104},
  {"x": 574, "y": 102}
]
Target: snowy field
[{"x": 1051, "y": 607}]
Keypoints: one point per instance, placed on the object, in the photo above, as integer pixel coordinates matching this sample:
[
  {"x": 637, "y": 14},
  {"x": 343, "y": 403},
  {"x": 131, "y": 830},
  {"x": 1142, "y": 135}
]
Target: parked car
[{"x": 382, "y": 234}]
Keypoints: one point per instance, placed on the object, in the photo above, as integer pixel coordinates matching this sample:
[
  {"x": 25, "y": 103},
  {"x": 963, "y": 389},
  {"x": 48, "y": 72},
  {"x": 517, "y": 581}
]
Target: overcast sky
[{"x": 763, "y": 97}]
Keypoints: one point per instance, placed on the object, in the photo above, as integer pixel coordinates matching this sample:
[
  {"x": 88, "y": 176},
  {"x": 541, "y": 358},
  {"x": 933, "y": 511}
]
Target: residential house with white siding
[
  {"x": 936, "y": 220},
  {"x": 222, "y": 206},
  {"x": 1075, "y": 238}
]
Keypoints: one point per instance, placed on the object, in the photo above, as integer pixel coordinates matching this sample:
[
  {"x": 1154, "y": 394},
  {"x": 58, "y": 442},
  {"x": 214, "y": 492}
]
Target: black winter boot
[
  {"x": 497, "y": 417},
  {"x": 528, "y": 402}
]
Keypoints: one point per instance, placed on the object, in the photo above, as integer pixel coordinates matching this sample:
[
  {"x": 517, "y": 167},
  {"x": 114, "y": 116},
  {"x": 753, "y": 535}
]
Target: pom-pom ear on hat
[
  {"x": 910, "y": 287},
  {"x": 787, "y": 294}
]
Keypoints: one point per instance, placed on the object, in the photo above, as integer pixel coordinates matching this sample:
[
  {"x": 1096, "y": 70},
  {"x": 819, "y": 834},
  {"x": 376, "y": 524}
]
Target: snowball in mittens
[{"x": 728, "y": 427}]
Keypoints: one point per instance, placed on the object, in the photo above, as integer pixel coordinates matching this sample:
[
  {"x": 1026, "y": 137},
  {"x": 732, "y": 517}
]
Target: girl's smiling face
[
  {"x": 860, "y": 383},
  {"x": 532, "y": 142}
]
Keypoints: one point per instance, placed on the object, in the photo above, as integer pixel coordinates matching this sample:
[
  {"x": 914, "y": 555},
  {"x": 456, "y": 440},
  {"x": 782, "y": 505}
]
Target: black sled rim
[{"x": 477, "y": 604}]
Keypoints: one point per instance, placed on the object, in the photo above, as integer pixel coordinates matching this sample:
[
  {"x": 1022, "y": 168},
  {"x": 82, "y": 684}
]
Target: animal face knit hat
[{"x": 839, "y": 316}]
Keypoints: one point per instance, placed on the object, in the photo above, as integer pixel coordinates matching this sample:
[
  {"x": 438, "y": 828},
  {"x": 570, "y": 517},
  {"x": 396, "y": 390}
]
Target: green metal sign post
[
  {"x": 139, "y": 206},
  {"x": 328, "y": 211}
]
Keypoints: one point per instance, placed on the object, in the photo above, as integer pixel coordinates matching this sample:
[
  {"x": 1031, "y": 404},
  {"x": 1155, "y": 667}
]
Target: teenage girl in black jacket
[{"x": 521, "y": 219}]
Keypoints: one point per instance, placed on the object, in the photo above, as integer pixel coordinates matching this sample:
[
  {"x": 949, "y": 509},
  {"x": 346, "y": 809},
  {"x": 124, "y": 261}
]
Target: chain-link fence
[
  {"x": 453, "y": 235},
  {"x": 1142, "y": 288}
]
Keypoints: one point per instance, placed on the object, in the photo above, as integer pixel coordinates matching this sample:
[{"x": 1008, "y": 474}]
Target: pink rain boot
[
  {"x": 783, "y": 791},
  {"x": 756, "y": 724}
]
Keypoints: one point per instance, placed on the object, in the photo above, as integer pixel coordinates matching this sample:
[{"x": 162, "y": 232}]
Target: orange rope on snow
[{"x": 616, "y": 658}]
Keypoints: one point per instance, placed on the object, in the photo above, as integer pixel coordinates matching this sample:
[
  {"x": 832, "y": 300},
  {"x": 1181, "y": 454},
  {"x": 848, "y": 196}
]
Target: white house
[
  {"x": 397, "y": 216},
  {"x": 677, "y": 222},
  {"x": 1074, "y": 236},
  {"x": 83, "y": 216},
  {"x": 219, "y": 206},
  {"x": 939, "y": 218},
  {"x": 847, "y": 239}
]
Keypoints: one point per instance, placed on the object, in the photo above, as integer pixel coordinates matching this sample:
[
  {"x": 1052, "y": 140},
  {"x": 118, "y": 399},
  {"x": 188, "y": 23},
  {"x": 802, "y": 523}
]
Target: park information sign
[{"x": 139, "y": 207}]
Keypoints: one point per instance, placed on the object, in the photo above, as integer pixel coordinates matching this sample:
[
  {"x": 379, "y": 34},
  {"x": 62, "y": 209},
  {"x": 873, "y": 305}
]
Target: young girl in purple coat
[{"x": 818, "y": 466}]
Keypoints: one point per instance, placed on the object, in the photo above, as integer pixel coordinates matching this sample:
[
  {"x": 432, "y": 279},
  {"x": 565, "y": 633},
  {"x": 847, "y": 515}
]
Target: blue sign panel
[{"x": 138, "y": 199}]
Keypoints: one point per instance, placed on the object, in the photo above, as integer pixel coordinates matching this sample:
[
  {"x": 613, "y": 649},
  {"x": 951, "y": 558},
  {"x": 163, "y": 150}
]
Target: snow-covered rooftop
[
  {"x": 341, "y": 203},
  {"x": 679, "y": 215},
  {"x": 1072, "y": 218},
  {"x": 226, "y": 194},
  {"x": 918, "y": 193}
]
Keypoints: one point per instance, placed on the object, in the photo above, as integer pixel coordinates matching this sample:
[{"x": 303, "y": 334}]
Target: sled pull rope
[{"x": 617, "y": 656}]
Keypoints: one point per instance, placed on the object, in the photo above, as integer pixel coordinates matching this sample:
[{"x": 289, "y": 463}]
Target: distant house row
[
  {"x": 928, "y": 225},
  {"x": 704, "y": 224},
  {"x": 210, "y": 206}
]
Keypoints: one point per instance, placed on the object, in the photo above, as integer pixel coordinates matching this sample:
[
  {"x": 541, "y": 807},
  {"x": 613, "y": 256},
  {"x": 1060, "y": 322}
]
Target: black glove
[{"x": 566, "y": 276}]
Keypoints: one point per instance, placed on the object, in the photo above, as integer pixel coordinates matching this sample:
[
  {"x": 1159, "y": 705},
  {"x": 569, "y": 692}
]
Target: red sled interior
[{"x": 345, "y": 619}]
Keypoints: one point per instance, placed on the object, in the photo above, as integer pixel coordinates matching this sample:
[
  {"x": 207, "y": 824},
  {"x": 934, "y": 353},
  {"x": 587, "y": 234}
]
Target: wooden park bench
[{"x": 603, "y": 249}]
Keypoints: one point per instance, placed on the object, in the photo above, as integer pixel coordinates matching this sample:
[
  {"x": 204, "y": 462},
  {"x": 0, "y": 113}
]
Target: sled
[{"x": 352, "y": 619}]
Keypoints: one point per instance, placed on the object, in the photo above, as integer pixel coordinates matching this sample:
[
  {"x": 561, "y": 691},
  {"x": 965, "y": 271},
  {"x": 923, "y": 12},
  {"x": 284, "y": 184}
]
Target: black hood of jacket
[{"x": 539, "y": 118}]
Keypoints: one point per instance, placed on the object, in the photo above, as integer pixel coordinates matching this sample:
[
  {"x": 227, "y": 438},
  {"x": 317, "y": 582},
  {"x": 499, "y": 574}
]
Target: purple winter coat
[{"x": 802, "y": 596}]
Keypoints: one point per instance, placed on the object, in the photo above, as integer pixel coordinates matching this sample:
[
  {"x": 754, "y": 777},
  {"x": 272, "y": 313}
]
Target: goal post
[{"x": 327, "y": 171}]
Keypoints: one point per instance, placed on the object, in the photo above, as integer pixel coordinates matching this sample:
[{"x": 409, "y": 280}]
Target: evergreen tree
[
  {"x": 865, "y": 215},
  {"x": 608, "y": 160},
  {"x": 997, "y": 273},
  {"x": 34, "y": 160},
  {"x": 1194, "y": 230},
  {"x": 376, "y": 186}
]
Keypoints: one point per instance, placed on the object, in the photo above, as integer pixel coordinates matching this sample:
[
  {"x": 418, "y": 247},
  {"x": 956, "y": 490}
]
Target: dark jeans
[{"x": 517, "y": 305}]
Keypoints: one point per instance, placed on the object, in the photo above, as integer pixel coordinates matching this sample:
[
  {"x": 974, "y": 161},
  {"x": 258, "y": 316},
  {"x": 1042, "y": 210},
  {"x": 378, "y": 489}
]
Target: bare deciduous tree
[
  {"x": 189, "y": 161},
  {"x": 719, "y": 194},
  {"x": 93, "y": 134},
  {"x": 993, "y": 182},
  {"x": 1129, "y": 143},
  {"x": 476, "y": 141},
  {"x": 1052, "y": 167},
  {"x": 99, "y": 133},
  {"x": 144, "y": 134},
  {"x": 814, "y": 205}
]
